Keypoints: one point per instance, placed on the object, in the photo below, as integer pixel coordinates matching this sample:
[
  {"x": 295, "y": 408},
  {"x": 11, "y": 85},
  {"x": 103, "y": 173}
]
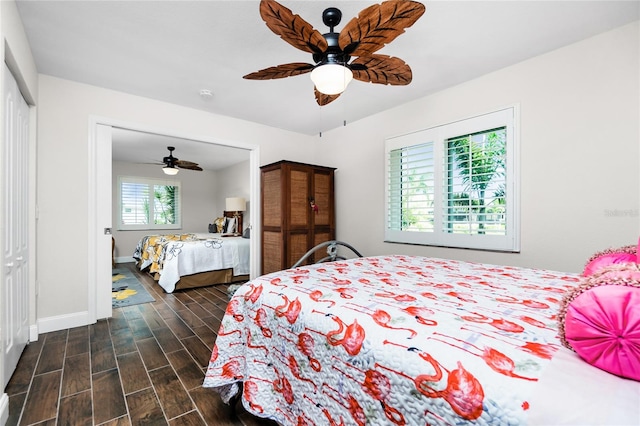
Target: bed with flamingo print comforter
[{"x": 389, "y": 340}]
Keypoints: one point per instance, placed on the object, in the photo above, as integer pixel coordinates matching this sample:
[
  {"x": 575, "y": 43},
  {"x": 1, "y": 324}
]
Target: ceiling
[
  {"x": 147, "y": 148},
  {"x": 171, "y": 50}
]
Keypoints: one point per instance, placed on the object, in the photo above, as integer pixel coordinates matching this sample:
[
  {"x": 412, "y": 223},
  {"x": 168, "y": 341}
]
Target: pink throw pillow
[
  {"x": 600, "y": 320},
  {"x": 626, "y": 254}
]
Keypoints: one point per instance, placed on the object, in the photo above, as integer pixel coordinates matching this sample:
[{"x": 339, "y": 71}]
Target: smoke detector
[{"x": 206, "y": 94}]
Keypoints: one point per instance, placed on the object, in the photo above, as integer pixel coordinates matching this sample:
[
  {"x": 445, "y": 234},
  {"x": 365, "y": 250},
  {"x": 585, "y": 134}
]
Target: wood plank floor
[{"x": 143, "y": 366}]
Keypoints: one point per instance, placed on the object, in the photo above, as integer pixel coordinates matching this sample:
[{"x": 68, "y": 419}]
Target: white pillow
[{"x": 229, "y": 225}]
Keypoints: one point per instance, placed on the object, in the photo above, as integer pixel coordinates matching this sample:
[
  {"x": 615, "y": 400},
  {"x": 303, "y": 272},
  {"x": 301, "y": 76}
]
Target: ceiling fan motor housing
[
  {"x": 170, "y": 161},
  {"x": 333, "y": 54}
]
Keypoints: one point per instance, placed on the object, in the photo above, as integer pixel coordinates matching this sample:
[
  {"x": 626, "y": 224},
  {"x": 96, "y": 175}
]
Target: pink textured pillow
[
  {"x": 600, "y": 320},
  {"x": 626, "y": 254}
]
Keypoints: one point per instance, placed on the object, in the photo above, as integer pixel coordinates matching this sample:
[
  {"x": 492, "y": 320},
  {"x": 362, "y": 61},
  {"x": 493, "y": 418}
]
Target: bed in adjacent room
[
  {"x": 188, "y": 260},
  {"x": 410, "y": 340}
]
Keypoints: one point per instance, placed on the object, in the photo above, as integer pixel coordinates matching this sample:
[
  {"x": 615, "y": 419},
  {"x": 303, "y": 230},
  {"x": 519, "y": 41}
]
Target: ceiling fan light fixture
[
  {"x": 331, "y": 79},
  {"x": 170, "y": 170}
]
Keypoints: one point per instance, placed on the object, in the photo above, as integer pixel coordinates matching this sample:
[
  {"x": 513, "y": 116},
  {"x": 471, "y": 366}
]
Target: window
[
  {"x": 455, "y": 185},
  {"x": 148, "y": 203}
]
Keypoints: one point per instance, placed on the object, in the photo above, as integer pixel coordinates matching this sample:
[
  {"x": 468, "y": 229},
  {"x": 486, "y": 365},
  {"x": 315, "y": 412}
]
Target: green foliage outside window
[
  {"x": 165, "y": 204},
  {"x": 478, "y": 162}
]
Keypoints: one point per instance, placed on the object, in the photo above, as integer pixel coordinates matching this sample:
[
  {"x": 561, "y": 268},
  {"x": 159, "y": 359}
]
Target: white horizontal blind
[
  {"x": 148, "y": 203},
  {"x": 410, "y": 188},
  {"x": 134, "y": 203},
  {"x": 455, "y": 185}
]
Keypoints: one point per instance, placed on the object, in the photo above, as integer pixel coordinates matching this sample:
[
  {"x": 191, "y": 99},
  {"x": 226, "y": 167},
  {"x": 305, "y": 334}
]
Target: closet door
[{"x": 15, "y": 201}]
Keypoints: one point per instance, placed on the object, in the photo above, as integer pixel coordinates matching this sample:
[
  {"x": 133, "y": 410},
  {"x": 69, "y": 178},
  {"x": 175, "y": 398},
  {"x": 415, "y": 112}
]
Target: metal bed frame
[{"x": 332, "y": 252}]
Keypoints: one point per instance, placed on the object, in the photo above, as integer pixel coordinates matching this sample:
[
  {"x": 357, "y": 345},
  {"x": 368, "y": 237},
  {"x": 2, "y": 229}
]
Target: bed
[
  {"x": 410, "y": 340},
  {"x": 179, "y": 261}
]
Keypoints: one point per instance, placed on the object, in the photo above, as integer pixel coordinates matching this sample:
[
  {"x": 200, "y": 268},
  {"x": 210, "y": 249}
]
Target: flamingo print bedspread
[{"x": 389, "y": 340}]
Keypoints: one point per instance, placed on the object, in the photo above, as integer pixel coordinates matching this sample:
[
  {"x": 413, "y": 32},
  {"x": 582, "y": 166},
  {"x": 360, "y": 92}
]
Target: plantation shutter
[
  {"x": 134, "y": 203},
  {"x": 410, "y": 188}
]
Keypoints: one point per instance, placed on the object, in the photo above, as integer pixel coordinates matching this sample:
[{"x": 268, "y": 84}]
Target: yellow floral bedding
[{"x": 148, "y": 252}]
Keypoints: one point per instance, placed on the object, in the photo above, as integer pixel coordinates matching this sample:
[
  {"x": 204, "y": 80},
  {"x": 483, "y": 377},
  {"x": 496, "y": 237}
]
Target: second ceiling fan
[
  {"x": 332, "y": 70},
  {"x": 171, "y": 163}
]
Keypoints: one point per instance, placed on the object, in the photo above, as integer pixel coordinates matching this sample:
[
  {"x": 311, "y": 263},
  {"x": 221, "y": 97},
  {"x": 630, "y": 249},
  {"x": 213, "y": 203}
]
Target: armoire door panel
[
  {"x": 297, "y": 246},
  {"x": 322, "y": 195},
  {"x": 271, "y": 198},
  {"x": 272, "y": 251},
  {"x": 299, "y": 198},
  {"x": 321, "y": 237}
]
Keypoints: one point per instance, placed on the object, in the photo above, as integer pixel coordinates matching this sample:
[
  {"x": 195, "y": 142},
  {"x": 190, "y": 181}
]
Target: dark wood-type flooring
[{"x": 143, "y": 366}]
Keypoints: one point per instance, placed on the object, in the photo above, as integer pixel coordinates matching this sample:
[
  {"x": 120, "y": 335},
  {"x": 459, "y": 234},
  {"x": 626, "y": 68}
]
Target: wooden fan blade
[
  {"x": 280, "y": 71},
  {"x": 190, "y": 165},
  {"x": 378, "y": 25},
  {"x": 185, "y": 163},
  {"x": 323, "y": 99},
  {"x": 292, "y": 28},
  {"x": 381, "y": 69}
]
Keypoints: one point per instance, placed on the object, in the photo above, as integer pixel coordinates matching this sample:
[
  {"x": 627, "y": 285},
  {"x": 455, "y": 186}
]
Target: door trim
[{"x": 100, "y": 201}]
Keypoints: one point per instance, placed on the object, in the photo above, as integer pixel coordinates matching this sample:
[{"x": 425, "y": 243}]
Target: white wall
[
  {"x": 63, "y": 129},
  {"x": 198, "y": 192},
  {"x": 233, "y": 181},
  {"x": 579, "y": 153}
]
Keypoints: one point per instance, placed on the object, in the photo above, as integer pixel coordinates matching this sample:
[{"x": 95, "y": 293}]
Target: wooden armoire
[{"x": 298, "y": 212}]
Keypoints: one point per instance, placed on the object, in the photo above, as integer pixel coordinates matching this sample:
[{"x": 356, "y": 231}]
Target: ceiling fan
[
  {"x": 171, "y": 164},
  {"x": 375, "y": 26}
]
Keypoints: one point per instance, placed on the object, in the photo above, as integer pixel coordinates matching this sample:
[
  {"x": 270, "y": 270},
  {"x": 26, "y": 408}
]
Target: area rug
[
  {"x": 232, "y": 289},
  {"x": 126, "y": 290}
]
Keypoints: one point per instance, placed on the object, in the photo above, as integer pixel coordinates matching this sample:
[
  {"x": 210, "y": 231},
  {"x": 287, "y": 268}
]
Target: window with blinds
[
  {"x": 455, "y": 185},
  {"x": 148, "y": 203},
  {"x": 410, "y": 186}
]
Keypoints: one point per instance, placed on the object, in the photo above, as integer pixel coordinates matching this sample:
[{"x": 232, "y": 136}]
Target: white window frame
[
  {"x": 438, "y": 135},
  {"x": 150, "y": 182}
]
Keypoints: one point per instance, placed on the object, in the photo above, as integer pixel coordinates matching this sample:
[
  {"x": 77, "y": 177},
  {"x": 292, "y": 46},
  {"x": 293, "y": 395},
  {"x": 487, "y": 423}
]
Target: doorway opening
[{"x": 101, "y": 141}]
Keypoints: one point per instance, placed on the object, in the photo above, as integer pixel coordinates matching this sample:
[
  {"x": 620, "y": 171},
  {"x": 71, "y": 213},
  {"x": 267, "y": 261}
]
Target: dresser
[{"x": 298, "y": 211}]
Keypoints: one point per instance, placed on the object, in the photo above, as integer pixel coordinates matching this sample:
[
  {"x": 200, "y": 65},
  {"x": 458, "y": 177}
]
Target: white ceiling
[
  {"x": 147, "y": 148},
  {"x": 171, "y": 50}
]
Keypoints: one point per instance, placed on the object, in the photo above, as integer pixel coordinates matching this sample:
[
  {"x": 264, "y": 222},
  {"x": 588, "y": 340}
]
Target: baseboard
[
  {"x": 33, "y": 333},
  {"x": 62, "y": 322},
  {"x": 124, "y": 259},
  {"x": 4, "y": 409}
]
